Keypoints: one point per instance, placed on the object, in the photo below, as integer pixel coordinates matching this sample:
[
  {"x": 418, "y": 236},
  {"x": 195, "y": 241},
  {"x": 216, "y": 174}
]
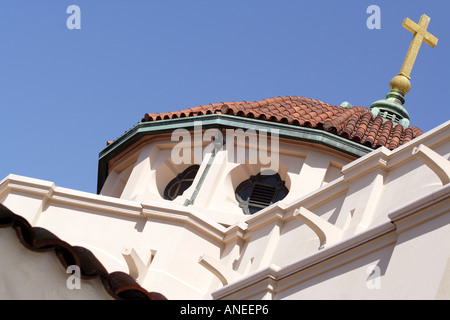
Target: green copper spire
[{"x": 392, "y": 108}]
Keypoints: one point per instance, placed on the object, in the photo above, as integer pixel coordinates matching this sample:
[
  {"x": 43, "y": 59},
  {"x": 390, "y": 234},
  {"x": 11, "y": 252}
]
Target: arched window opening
[
  {"x": 180, "y": 183},
  {"x": 260, "y": 191}
]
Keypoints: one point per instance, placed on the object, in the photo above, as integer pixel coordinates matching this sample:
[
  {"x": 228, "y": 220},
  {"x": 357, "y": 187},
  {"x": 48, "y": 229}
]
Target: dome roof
[{"x": 352, "y": 123}]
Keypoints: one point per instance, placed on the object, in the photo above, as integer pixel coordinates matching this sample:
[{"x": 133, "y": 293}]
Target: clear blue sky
[{"x": 64, "y": 92}]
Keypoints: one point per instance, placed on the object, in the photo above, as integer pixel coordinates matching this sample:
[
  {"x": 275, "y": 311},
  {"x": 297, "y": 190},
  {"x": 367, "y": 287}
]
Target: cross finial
[
  {"x": 392, "y": 108},
  {"x": 401, "y": 81}
]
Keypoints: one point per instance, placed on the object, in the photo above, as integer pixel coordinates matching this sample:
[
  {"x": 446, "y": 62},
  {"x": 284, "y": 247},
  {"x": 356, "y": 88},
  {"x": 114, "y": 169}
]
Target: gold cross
[
  {"x": 420, "y": 34},
  {"x": 401, "y": 81}
]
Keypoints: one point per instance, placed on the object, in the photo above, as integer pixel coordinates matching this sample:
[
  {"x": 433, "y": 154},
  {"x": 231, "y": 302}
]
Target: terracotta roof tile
[
  {"x": 356, "y": 123},
  {"x": 118, "y": 284}
]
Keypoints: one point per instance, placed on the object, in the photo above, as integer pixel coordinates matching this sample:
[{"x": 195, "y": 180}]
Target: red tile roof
[
  {"x": 356, "y": 123},
  {"x": 118, "y": 284}
]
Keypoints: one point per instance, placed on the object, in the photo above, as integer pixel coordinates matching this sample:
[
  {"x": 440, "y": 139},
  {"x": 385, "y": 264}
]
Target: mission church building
[{"x": 283, "y": 198}]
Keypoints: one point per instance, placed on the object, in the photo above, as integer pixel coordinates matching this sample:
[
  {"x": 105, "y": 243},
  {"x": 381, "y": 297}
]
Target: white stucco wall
[
  {"x": 385, "y": 208},
  {"x": 29, "y": 275}
]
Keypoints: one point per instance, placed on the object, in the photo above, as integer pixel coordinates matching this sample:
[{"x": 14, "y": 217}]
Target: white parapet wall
[{"x": 379, "y": 230}]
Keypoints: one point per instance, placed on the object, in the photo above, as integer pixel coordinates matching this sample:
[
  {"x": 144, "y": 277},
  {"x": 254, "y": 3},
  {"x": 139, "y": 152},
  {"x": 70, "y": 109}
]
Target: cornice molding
[{"x": 285, "y": 131}]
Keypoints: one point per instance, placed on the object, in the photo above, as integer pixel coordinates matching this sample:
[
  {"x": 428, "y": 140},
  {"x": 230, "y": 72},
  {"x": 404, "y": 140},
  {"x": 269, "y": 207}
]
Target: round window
[
  {"x": 260, "y": 191},
  {"x": 181, "y": 183}
]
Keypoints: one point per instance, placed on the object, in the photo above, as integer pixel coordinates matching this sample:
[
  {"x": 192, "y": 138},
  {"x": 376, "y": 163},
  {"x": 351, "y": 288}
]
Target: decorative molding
[
  {"x": 319, "y": 262},
  {"x": 143, "y": 129},
  {"x": 225, "y": 274},
  {"x": 434, "y": 161},
  {"x": 137, "y": 268},
  {"x": 327, "y": 232},
  {"x": 435, "y": 199}
]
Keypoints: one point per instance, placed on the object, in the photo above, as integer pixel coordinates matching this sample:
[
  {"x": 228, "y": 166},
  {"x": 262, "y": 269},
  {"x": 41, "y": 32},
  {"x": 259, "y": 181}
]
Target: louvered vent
[
  {"x": 260, "y": 191},
  {"x": 262, "y": 195}
]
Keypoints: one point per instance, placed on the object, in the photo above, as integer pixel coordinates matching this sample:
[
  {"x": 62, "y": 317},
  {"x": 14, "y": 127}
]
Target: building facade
[{"x": 284, "y": 198}]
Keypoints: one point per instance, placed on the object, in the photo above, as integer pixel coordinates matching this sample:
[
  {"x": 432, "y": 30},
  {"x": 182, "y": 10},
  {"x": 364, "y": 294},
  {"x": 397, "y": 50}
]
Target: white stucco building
[{"x": 284, "y": 198}]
